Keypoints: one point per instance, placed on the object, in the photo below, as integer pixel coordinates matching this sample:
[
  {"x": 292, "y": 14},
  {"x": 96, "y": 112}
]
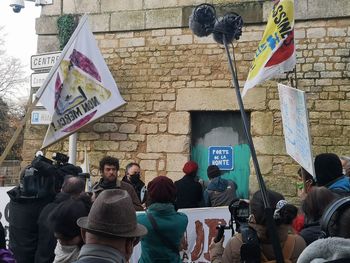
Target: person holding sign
[
  {"x": 329, "y": 173},
  {"x": 220, "y": 191}
]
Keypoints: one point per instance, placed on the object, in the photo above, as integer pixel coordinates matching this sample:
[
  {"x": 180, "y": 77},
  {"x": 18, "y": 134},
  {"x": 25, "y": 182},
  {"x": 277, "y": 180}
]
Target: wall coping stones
[{"x": 168, "y": 15}]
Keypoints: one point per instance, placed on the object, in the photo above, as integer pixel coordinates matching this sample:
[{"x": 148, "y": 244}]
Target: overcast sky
[{"x": 20, "y": 38}]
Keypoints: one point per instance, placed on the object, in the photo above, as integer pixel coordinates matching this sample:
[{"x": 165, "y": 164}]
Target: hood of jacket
[
  {"x": 218, "y": 184},
  {"x": 341, "y": 184},
  {"x": 324, "y": 250}
]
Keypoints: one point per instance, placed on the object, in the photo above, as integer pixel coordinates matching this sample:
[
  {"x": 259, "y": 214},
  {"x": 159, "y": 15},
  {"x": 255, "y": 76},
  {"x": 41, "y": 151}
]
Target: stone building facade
[{"x": 165, "y": 73}]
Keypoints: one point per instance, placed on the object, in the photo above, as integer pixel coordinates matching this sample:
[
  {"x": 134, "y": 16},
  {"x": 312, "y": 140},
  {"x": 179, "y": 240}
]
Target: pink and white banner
[{"x": 80, "y": 88}]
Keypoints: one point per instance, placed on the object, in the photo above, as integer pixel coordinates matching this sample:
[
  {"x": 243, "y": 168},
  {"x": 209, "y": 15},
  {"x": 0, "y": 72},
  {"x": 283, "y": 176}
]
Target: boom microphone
[
  {"x": 202, "y": 20},
  {"x": 229, "y": 25}
]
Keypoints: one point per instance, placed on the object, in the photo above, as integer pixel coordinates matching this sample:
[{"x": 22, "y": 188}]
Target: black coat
[
  {"x": 311, "y": 232},
  {"x": 23, "y": 227},
  {"x": 189, "y": 192},
  {"x": 45, "y": 252},
  {"x": 138, "y": 186}
]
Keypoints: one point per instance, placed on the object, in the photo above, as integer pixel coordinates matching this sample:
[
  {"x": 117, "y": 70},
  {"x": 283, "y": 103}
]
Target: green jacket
[{"x": 171, "y": 224}]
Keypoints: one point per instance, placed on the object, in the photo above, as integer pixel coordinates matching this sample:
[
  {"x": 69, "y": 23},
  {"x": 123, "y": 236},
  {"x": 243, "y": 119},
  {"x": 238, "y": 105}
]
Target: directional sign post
[
  {"x": 41, "y": 64},
  {"x": 222, "y": 156},
  {"x": 37, "y": 79},
  {"x": 44, "y": 61}
]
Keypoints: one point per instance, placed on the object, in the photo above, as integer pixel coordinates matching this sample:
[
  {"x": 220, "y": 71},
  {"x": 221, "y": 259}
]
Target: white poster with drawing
[
  {"x": 201, "y": 228},
  {"x": 296, "y": 126},
  {"x": 4, "y": 213}
]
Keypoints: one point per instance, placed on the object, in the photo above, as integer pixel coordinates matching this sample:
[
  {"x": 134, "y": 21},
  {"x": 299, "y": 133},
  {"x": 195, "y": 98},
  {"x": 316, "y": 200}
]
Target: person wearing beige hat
[{"x": 110, "y": 231}]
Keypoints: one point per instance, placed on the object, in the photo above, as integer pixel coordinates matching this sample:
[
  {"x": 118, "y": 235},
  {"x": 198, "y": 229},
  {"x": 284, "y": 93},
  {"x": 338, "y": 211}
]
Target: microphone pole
[{"x": 271, "y": 226}]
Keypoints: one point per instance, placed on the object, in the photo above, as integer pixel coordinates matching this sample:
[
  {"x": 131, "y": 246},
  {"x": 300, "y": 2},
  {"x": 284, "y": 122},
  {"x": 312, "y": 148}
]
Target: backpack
[{"x": 287, "y": 249}]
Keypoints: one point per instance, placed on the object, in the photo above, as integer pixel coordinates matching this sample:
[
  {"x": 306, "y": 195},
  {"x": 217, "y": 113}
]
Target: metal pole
[
  {"x": 245, "y": 125},
  {"x": 72, "y": 152},
  {"x": 271, "y": 226}
]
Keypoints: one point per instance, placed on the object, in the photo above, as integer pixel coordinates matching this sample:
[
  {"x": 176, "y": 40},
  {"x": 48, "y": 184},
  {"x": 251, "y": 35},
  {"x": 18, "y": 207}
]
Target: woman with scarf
[{"x": 63, "y": 222}]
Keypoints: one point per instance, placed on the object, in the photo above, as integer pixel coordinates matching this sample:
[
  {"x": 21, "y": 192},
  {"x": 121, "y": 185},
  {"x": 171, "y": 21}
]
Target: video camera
[
  {"x": 44, "y": 177},
  {"x": 250, "y": 249}
]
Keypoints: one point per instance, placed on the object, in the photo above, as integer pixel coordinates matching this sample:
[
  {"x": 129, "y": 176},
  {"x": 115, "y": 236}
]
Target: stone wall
[{"x": 164, "y": 73}]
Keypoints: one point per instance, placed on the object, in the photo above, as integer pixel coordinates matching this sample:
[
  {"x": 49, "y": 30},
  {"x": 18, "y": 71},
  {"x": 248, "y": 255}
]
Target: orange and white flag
[{"x": 276, "y": 50}]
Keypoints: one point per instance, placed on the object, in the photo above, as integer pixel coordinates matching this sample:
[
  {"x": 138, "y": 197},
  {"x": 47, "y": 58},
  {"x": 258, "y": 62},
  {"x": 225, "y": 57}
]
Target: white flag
[{"x": 80, "y": 88}]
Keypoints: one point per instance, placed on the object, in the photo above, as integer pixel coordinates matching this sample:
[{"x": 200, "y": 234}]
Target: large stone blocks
[
  {"x": 120, "y": 5},
  {"x": 261, "y": 123},
  {"x": 179, "y": 123},
  {"x": 121, "y": 21},
  {"x": 167, "y": 143},
  {"x": 164, "y": 18},
  {"x": 81, "y": 6},
  {"x": 218, "y": 99},
  {"x": 175, "y": 162}
]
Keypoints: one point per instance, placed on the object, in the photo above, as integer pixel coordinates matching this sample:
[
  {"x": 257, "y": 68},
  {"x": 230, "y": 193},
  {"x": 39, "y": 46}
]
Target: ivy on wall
[{"x": 66, "y": 25}]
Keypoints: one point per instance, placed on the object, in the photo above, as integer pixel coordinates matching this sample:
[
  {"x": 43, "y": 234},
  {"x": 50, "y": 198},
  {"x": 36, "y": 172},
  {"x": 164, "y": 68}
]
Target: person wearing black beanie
[
  {"x": 329, "y": 173},
  {"x": 220, "y": 191}
]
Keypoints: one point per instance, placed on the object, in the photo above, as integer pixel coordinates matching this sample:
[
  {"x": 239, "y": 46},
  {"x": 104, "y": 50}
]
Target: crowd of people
[{"x": 103, "y": 226}]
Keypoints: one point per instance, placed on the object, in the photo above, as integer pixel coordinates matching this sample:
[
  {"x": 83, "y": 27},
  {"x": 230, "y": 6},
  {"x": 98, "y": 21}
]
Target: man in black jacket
[
  {"x": 133, "y": 177},
  {"x": 109, "y": 167},
  {"x": 189, "y": 190}
]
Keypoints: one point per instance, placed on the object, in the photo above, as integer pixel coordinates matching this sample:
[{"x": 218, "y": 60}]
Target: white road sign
[
  {"x": 44, "y": 61},
  {"x": 38, "y": 104},
  {"x": 37, "y": 79},
  {"x": 40, "y": 117}
]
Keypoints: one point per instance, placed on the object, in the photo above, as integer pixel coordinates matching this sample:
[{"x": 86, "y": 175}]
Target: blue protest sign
[{"x": 222, "y": 156}]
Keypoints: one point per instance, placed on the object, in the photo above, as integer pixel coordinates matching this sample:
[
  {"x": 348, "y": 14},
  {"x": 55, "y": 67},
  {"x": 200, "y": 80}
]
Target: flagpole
[
  {"x": 19, "y": 129},
  {"x": 295, "y": 76},
  {"x": 72, "y": 149},
  {"x": 271, "y": 226}
]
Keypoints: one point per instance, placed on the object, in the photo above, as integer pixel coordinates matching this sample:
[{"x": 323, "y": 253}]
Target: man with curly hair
[{"x": 109, "y": 167}]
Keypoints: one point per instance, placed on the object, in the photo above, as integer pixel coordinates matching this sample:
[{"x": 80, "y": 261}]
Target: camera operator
[
  {"x": 292, "y": 245},
  {"x": 39, "y": 184}
]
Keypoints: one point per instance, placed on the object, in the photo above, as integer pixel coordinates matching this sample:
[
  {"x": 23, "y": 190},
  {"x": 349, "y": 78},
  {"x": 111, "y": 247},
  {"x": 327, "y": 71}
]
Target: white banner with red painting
[{"x": 202, "y": 223}]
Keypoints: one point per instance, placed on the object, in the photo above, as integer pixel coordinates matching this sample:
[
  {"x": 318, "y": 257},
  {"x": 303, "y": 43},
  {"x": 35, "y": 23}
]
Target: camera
[
  {"x": 44, "y": 177},
  {"x": 17, "y": 5},
  {"x": 60, "y": 158},
  {"x": 239, "y": 210},
  {"x": 250, "y": 249}
]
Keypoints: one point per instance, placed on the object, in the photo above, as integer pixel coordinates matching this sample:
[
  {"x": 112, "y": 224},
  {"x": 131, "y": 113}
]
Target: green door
[{"x": 221, "y": 128}]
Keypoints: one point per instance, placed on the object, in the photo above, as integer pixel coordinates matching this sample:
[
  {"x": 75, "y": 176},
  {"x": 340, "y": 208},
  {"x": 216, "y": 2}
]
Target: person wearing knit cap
[
  {"x": 166, "y": 226},
  {"x": 220, "y": 191},
  {"x": 189, "y": 190},
  {"x": 329, "y": 173}
]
